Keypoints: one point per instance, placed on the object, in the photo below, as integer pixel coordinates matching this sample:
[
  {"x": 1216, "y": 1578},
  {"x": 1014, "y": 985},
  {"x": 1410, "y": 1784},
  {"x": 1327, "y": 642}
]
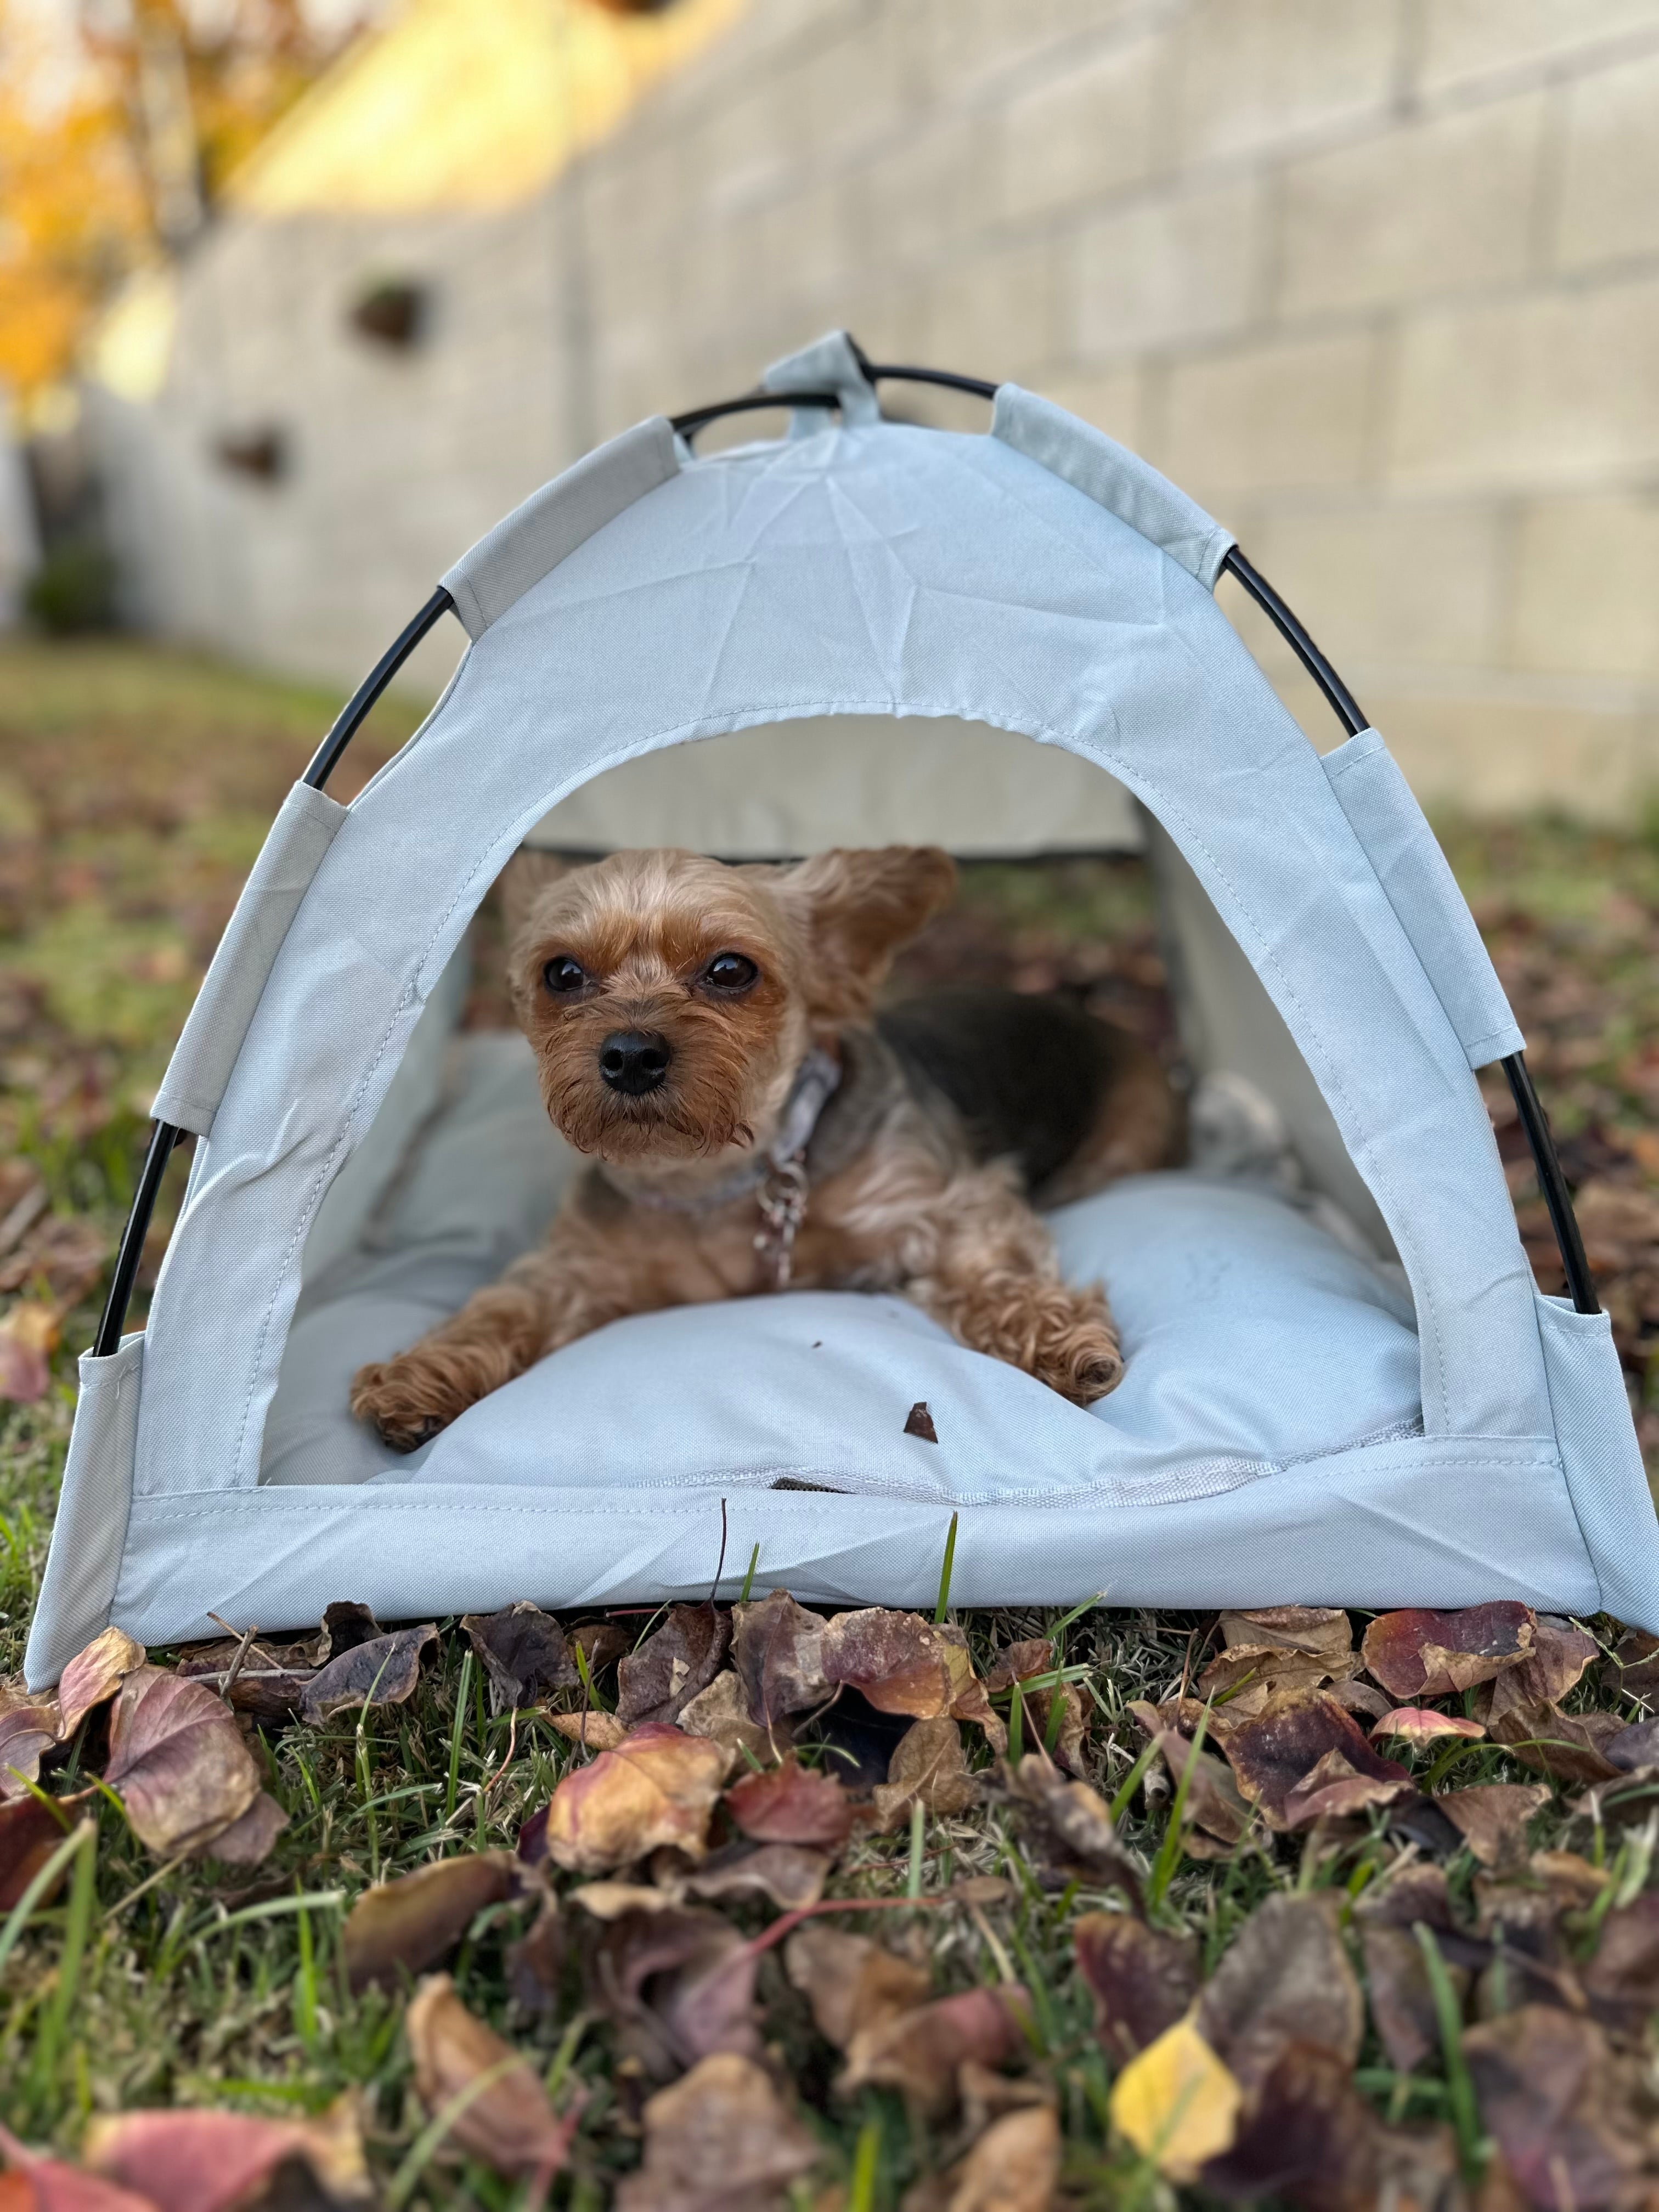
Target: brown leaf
[
  {"x": 1214, "y": 1802},
  {"x": 1142, "y": 1980},
  {"x": 1318, "y": 1632},
  {"x": 47, "y": 2184},
  {"x": 1333, "y": 1789},
  {"x": 1548, "y": 2093},
  {"x": 1069, "y": 1826},
  {"x": 1273, "y": 1753},
  {"x": 1422, "y": 1725},
  {"x": 721, "y": 1713},
  {"x": 919, "y": 2053},
  {"x": 250, "y": 1841},
  {"x": 919, "y": 1422},
  {"x": 1306, "y": 2136},
  {"x": 1013, "y": 2167},
  {"x": 658, "y": 1680},
  {"x": 1622, "y": 1980},
  {"x": 1285, "y": 1978},
  {"x": 927, "y": 1768},
  {"x": 347, "y": 1625},
  {"x": 523, "y": 1652},
  {"x": 1359, "y": 1696},
  {"x": 658, "y": 1786},
  {"x": 268, "y": 1683},
  {"x": 1249, "y": 1675},
  {"x": 409, "y": 1925},
  {"x": 1396, "y": 1976},
  {"x": 790, "y": 1875},
  {"x": 898, "y": 1662},
  {"x": 679, "y": 1984},
  {"x": 28, "y": 1337},
  {"x": 1567, "y": 1746},
  {"x": 777, "y": 1651},
  {"x": 1634, "y": 1747},
  {"x": 382, "y": 1670},
  {"x": 853, "y": 1984},
  {"x": 1558, "y": 1659},
  {"x": 204, "y": 2161},
  {"x": 535, "y": 1963},
  {"x": 1416, "y": 1654},
  {"x": 1064, "y": 1739},
  {"x": 592, "y": 1730},
  {"x": 720, "y": 2140},
  {"x": 1637, "y": 1656},
  {"x": 27, "y": 1732},
  {"x": 602, "y": 1644},
  {"x": 1020, "y": 1661},
  {"x": 792, "y": 1804},
  {"x": 95, "y": 1675},
  {"x": 508, "y": 2123},
  {"x": 178, "y": 1761},
  {"x": 1491, "y": 1818},
  {"x": 29, "y": 1833}
]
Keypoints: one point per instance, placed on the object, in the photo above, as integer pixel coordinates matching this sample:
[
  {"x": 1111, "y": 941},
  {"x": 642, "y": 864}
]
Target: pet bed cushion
[{"x": 1253, "y": 1338}]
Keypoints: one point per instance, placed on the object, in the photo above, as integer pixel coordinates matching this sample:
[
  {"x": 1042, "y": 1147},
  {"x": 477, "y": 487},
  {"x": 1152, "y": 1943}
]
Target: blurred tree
[{"x": 118, "y": 126}]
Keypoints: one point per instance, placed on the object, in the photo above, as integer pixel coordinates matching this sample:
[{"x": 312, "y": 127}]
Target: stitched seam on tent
[{"x": 407, "y": 1499}]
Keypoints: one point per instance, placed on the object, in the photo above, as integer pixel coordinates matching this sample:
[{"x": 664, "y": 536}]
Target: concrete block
[
  {"x": 1110, "y": 399},
  {"x": 1462, "y": 41},
  {"x": 993, "y": 314},
  {"x": 1085, "y": 129},
  {"x": 1586, "y": 586},
  {"x": 1166, "y": 270},
  {"x": 1496, "y": 754},
  {"x": 928, "y": 190},
  {"x": 1437, "y": 207},
  {"x": 1419, "y": 585},
  {"x": 1256, "y": 73},
  {"x": 1609, "y": 204},
  {"x": 1295, "y": 413},
  {"x": 1550, "y": 388}
]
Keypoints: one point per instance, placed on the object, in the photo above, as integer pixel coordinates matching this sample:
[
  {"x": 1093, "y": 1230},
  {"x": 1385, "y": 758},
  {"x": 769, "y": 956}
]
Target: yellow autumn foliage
[{"x": 1176, "y": 2102}]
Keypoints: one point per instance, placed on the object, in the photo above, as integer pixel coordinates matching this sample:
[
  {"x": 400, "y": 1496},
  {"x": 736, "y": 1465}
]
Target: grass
[{"x": 135, "y": 788}]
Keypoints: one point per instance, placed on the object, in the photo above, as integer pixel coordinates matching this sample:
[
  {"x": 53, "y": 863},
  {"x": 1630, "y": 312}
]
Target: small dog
[{"x": 707, "y": 1035}]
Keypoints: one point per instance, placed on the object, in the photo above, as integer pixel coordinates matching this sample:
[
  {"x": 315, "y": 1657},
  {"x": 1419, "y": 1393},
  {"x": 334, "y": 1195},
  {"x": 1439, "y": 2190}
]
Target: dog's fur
[{"x": 952, "y": 1110}]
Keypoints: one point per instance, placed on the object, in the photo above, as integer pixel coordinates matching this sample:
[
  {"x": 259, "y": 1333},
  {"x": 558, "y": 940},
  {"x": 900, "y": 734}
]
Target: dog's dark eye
[
  {"x": 730, "y": 971},
  {"x": 564, "y": 973}
]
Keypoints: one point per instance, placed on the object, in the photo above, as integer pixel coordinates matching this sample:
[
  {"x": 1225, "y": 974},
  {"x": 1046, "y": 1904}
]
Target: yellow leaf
[{"x": 1176, "y": 2102}]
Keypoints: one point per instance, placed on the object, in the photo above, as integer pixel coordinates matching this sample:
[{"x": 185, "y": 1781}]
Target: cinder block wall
[{"x": 1376, "y": 280}]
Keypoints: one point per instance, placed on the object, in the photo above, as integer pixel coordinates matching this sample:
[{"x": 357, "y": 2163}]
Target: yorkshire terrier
[{"x": 708, "y": 1036}]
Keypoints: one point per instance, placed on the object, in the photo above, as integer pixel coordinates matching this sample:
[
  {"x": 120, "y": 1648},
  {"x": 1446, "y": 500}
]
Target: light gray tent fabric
[{"x": 871, "y": 570}]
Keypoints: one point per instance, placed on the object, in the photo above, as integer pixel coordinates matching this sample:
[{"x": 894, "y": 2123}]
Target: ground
[{"x": 135, "y": 788}]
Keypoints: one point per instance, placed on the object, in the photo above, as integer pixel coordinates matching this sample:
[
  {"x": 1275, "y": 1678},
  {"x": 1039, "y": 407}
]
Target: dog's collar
[{"x": 778, "y": 1174}]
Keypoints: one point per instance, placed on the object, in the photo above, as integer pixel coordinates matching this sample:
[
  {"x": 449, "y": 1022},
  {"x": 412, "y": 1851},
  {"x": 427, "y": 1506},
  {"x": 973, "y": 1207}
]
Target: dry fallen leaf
[
  {"x": 1069, "y": 1827},
  {"x": 792, "y": 1804},
  {"x": 787, "y": 1874},
  {"x": 898, "y": 1662},
  {"x": 409, "y": 1925},
  {"x": 27, "y": 1732},
  {"x": 1317, "y": 1631},
  {"x": 1491, "y": 1818},
  {"x": 1177, "y": 2103},
  {"x": 1397, "y": 1985},
  {"x": 177, "y": 1761},
  {"x": 1273, "y": 1754},
  {"x": 592, "y": 1730},
  {"x": 920, "y": 2053},
  {"x": 1213, "y": 1802},
  {"x": 853, "y": 1984},
  {"x": 658, "y": 1786},
  {"x": 95, "y": 1675},
  {"x": 1333, "y": 1789},
  {"x": 535, "y": 1963},
  {"x": 207, "y": 2161},
  {"x": 720, "y": 2140},
  {"x": 677, "y": 1982},
  {"x": 919, "y": 1422},
  {"x": 928, "y": 1768},
  {"x": 1622, "y": 1981},
  {"x": 601, "y": 1642},
  {"x": 1142, "y": 1980},
  {"x": 382, "y": 1670},
  {"x": 1550, "y": 2096},
  {"x": 1019, "y": 1662},
  {"x": 267, "y": 1680},
  {"x": 1556, "y": 1661},
  {"x": 1422, "y": 1725},
  {"x": 777, "y": 1654},
  {"x": 721, "y": 1713},
  {"x": 48, "y": 2184},
  {"x": 1306, "y": 2137},
  {"x": 1417, "y": 1654},
  {"x": 248, "y": 1842},
  {"x": 507, "y": 2122},
  {"x": 658, "y": 1680},
  {"x": 29, "y": 1833},
  {"x": 1285, "y": 1978},
  {"x": 523, "y": 1653},
  {"x": 1567, "y": 1746},
  {"x": 28, "y": 1337},
  {"x": 1014, "y": 2166}
]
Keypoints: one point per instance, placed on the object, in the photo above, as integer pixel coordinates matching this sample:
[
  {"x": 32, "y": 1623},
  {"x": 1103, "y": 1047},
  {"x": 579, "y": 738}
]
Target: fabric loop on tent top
[
  {"x": 1422, "y": 891},
  {"x": 206, "y": 1052},
  {"x": 1114, "y": 478},
  {"x": 552, "y": 522},
  {"x": 831, "y": 365}
]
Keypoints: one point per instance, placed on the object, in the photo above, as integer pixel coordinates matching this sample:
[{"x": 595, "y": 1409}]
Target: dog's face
[{"x": 670, "y": 999}]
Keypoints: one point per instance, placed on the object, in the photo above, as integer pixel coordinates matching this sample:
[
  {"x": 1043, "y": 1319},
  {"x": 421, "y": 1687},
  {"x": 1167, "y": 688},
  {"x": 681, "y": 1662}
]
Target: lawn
[{"x": 1425, "y": 1963}]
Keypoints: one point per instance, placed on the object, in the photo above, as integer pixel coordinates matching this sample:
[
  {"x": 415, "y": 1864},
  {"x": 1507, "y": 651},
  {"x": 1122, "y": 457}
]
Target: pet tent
[{"x": 1390, "y": 1415}]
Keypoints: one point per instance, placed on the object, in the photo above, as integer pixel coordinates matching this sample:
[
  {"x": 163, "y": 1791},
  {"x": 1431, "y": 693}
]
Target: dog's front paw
[{"x": 404, "y": 1401}]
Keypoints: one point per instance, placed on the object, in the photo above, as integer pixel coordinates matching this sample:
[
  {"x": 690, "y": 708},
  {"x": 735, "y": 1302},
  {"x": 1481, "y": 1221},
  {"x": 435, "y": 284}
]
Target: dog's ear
[
  {"x": 521, "y": 883},
  {"x": 854, "y": 909}
]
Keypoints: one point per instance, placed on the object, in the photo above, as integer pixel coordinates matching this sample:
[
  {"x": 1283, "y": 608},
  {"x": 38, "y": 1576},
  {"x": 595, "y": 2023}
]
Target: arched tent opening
[{"x": 1303, "y": 1420}]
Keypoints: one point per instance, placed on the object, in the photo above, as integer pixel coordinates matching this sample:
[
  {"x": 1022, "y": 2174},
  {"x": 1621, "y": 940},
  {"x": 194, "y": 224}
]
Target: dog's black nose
[{"x": 634, "y": 1062}]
